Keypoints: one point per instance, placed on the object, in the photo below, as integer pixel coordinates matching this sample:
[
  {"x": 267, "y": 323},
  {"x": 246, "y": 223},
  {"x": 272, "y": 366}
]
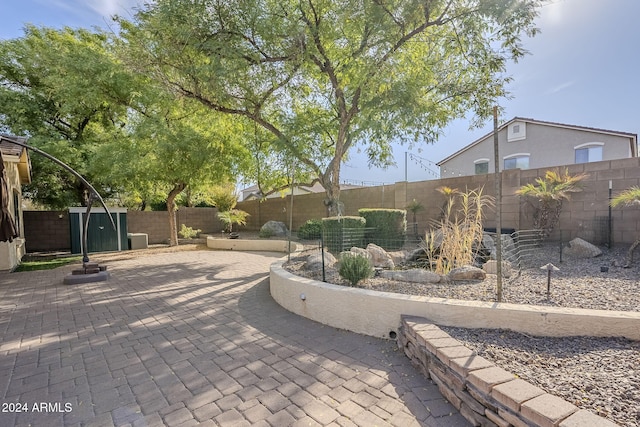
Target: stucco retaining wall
[
  {"x": 378, "y": 313},
  {"x": 251, "y": 245}
]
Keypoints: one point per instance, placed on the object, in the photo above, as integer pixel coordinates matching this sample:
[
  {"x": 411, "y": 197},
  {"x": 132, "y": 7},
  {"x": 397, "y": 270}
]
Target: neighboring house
[
  {"x": 528, "y": 143},
  {"x": 18, "y": 171}
]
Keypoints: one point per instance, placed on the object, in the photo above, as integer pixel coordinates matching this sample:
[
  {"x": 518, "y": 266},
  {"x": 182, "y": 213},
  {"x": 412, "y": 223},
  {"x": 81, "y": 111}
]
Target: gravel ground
[
  {"x": 601, "y": 375},
  {"x": 598, "y": 374}
]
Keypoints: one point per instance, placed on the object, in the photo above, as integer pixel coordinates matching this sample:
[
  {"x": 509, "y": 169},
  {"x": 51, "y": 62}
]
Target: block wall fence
[
  {"x": 579, "y": 216},
  {"x": 49, "y": 230}
]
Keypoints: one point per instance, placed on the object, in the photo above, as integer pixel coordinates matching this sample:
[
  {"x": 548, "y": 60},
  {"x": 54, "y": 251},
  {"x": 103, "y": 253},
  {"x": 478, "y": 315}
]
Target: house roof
[
  {"x": 17, "y": 154},
  {"x": 632, "y": 136}
]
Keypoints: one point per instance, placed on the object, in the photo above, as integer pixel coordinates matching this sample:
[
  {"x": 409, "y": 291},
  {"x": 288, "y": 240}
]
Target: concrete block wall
[
  {"x": 486, "y": 395},
  {"x": 586, "y": 210},
  {"x": 47, "y": 231}
]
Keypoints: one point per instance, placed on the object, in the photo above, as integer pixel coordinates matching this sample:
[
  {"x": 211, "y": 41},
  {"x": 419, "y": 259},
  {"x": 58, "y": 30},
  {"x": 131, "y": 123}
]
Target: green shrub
[
  {"x": 265, "y": 233},
  {"x": 188, "y": 232},
  {"x": 387, "y": 228},
  {"x": 354, "y": 268},
  {"x": 310, "y": 230},
  {"x": 341, "y": 233}
]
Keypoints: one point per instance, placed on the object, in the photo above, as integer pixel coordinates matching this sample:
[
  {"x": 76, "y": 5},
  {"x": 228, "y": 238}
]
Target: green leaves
[{"x": 323, "y": 75}]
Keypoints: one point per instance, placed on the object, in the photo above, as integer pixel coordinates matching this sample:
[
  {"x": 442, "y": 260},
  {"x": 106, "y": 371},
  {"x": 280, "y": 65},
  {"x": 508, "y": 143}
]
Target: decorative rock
[
  {"x": 380, "y": 257},
  {"x": 509, "y": 250},
  {"x": 491, "y": 267},
  {"x": 362, "y": 252},
  {"x": 417, "y": 255},
  {"x": 275, "y": 228},
  {"x": 467, "y": 272},
  {"x": 581, "y": 249},
  {"x": 314, "y": 262},
  {"x": 414, "y": 275}
]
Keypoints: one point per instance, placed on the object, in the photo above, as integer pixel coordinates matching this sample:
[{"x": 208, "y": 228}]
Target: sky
[{"x": 582, "y": 70}]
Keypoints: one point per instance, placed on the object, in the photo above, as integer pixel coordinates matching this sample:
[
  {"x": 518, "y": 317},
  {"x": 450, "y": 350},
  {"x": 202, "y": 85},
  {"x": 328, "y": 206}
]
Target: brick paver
[{"x": 193, "y": 338}]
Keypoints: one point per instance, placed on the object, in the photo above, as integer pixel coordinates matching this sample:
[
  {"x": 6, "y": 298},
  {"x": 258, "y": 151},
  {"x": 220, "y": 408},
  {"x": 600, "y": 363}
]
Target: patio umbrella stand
[{"x": 89, "y": 273}]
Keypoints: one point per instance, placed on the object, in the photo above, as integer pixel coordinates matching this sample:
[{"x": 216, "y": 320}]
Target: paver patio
[{"x": 193, "y": 338}]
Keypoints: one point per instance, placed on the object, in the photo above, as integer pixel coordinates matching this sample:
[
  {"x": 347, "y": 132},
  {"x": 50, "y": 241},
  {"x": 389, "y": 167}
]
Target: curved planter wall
[
  {"x": 378, "y": 313},
  {"x": 251, "y": 245}
]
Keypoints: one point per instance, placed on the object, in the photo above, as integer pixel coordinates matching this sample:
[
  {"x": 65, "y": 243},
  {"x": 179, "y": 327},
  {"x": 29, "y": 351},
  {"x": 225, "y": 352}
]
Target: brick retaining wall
[{"x": 485, "y": 394}]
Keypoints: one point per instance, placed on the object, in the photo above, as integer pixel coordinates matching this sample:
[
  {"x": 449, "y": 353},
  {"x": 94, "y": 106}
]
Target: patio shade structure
[
  {"x": 93, "y": 194},
  {"x": 8, "y": 229}
]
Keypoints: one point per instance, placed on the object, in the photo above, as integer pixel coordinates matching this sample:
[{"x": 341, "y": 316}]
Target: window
[
  {"x": 517, "y": 161},
  {"x": 482, "y": 166},
  {"x": 589, "y": 153}
]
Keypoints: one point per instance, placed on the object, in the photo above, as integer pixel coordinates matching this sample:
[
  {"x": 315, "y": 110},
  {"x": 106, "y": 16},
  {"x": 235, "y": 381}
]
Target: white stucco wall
[{"x": 379, "y": 313}]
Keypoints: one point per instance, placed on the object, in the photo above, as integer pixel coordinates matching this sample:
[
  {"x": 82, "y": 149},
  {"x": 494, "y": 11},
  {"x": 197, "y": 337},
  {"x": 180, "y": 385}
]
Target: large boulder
[
  {"x": 314, "y": 261},
  {"x": 274, "y": 228},
  {"x": 466, "y": 272},
  {"x": 362, "y": 252},
  {"x": 581, "y": 249},
  {"x": 380, "y": 257},
  {"x": 413, "y": 275},
  {"x": 509, "y": 249},
  {"x": 491, "y": 267}
]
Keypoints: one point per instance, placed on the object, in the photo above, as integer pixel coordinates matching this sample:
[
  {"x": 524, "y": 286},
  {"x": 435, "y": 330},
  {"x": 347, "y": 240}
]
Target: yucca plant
[
  {"x": 549, "y": 194},
  {"x": 455, "y": 239},
  {"x": 628, "y": 197}
]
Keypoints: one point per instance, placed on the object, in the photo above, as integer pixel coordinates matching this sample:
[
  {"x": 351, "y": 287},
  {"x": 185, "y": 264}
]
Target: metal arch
[{"x": 93, "y": 193}]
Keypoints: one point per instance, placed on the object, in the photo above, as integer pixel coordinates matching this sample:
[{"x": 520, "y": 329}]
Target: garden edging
[
  {"x": 379, "y": 314},
  {"x": 484, "y": 393}
]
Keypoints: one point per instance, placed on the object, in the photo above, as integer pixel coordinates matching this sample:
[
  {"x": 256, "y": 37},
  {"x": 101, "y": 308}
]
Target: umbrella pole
[{"x": 85, "y": 229}]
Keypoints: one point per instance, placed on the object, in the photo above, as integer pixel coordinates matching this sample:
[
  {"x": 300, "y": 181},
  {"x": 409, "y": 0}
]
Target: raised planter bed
[
  {"x": 251, "y": 245},
  {"x": 378, "y": 313}
]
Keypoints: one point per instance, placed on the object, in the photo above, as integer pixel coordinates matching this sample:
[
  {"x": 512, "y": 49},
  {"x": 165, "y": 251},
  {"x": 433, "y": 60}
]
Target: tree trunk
[
  {"x": 331, "y": 184},
  {"x": 171, "y": 208},
  {"x": 630, "y": 253}
]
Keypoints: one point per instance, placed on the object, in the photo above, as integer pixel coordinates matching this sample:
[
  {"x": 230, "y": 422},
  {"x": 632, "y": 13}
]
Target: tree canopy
[
  {"x": 65, "y": 90},
  {"x": 323, "y": 76}
]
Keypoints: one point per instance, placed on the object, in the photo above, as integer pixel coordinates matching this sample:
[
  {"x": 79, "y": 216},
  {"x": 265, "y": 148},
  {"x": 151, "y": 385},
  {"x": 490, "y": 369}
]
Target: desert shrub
[
  {"x": 454, "y": 240},
  {"x": 343, "y": 232},
  {"x": 310, "y": 230},
  {"x": 265, "y": 233},
  {"x": 188, "y": 232},
  {"x": 387, "y": 228},
  {"x": 354, "y": 268}
]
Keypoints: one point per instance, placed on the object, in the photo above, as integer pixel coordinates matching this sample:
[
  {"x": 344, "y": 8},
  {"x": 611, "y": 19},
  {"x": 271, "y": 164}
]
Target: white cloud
[
  {"x": 108, "y": 8},
  {"x": 560, "y": 87}
]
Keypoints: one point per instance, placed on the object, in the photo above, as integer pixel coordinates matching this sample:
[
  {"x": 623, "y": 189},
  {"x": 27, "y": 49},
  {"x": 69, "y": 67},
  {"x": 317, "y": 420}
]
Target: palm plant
[
  {"x": 628, "y": 197},
  {"x": 550, "y": 192},
  {"x": 414, "y": 207},
  {"x": 233, "y": 216}
]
